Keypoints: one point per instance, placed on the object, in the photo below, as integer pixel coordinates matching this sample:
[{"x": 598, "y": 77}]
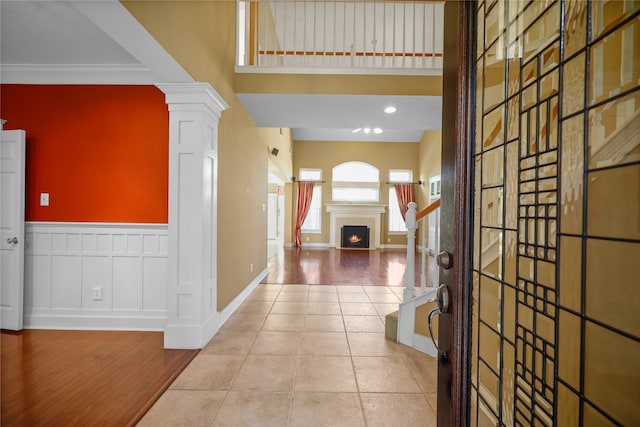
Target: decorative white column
[{"x": 194, "y": 113}]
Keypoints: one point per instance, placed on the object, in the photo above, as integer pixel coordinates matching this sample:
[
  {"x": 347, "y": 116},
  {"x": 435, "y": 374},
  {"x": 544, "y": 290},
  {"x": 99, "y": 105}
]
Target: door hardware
[
  {"x": 445, "y": 260},
  {"x": 442, "y": 299},
  {"x": 12, "y": 240}
]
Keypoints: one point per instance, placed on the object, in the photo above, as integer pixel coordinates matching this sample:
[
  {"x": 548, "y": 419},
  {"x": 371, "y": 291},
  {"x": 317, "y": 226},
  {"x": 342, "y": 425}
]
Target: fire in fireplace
[{"x": 355, "y": 236}]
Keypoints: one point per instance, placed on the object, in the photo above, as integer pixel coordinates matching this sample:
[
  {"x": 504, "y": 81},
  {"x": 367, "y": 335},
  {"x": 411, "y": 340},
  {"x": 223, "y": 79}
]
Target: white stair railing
[
  {"x": 414, "y": 297},
  {"x": 341, "y": 35}
]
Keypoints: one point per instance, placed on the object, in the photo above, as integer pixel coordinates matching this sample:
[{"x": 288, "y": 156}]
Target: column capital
[{"x": 193, "y": 93}]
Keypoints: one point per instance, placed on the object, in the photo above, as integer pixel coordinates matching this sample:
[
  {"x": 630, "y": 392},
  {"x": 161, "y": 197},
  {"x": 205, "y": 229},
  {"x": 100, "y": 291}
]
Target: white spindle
[{"x": 410, "y": 220}]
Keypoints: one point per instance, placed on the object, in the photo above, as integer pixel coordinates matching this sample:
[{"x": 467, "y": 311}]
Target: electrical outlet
[
  {"x": 97, "y": 293},
  {"x": 251, "y": 267}
]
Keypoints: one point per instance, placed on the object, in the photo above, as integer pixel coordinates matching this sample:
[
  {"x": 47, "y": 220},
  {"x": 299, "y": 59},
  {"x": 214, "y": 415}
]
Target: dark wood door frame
[{"x": 456, "y": 210}]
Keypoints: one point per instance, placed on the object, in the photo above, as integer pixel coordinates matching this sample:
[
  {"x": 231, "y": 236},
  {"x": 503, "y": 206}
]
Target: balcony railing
[{"x": 341, "y": 35}]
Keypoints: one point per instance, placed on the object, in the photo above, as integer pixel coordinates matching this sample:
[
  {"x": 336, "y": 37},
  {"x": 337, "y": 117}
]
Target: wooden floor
[
  {"x": 328, "y": 266},
  {"x": 84, "y": 378}
]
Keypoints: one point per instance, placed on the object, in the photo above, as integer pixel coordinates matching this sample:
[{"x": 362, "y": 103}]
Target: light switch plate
[{"x": 44, "y": 199}]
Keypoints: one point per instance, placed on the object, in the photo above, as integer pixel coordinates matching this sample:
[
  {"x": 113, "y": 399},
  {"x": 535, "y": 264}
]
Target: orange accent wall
[{"x": 101, "y": 152}]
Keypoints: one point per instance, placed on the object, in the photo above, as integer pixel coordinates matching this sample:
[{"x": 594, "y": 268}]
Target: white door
[{"x": 12, "y": 167}]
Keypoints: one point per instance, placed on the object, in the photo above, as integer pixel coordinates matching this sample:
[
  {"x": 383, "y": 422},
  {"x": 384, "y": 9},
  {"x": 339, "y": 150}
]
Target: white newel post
[
  {"x": 194, "y": 113},
  {"x": 410, "y": 221}
]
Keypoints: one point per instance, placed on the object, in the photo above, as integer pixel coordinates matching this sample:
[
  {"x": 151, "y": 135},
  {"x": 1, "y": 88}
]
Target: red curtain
[
  {"x": 405, "y": 194},
  {"x": 305, "y": 193}
]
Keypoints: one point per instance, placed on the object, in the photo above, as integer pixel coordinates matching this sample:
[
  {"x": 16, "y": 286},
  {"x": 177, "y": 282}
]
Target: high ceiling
[{"x": 99, "y": 42}]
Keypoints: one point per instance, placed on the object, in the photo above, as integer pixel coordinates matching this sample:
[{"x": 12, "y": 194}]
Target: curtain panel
[
  {"x": 305, "y": 193},
  {"x": 405, "y": 194}
]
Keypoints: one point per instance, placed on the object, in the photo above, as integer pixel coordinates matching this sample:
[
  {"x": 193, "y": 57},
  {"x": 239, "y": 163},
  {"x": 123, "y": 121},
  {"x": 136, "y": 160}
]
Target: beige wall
[
  {"x": 201, "y": 37},
  {"x": 336, "y": 84},
  {"x": 326, "y": 155},
  {"x": 429, "y": 155}
]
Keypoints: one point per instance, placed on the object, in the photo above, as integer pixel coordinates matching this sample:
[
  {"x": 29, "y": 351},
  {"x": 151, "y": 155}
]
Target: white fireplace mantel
[{"x": 355, "y": 214}]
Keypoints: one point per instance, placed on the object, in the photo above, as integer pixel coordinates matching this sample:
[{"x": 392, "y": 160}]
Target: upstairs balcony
[{"x": 340, "y": 37}]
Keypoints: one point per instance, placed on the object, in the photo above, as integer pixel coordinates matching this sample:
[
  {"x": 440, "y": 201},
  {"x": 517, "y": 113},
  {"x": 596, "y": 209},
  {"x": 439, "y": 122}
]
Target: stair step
[{"x": 391, "y": 326}]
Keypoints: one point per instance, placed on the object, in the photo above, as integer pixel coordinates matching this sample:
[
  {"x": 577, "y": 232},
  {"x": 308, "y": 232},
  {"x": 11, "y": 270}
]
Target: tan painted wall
[
  {"x": 327, "y": 154},
  {"x": 336, "y": 84},
  {"x": 201, "y": 37},
  {"x": 429, "y": 155}
]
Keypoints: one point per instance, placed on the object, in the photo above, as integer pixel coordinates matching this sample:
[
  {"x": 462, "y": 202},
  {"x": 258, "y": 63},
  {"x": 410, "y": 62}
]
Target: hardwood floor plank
[
  {"x": 328, "y": 266},
  {"x": 106, "y": 378}
]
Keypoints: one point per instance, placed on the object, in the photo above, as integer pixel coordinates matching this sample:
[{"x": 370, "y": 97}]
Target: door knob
[
  {"x": 12, "y": 240},
  {"x": 445, "y": 260}
]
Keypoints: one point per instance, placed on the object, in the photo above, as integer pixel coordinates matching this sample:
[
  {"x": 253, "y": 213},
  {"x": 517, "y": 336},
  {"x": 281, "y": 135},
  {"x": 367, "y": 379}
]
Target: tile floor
[{"x": 304, "y": 355}]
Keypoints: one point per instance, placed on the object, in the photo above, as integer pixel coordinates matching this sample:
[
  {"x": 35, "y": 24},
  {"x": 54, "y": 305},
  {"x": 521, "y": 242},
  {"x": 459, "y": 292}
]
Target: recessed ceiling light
[
  {"x": 367, "y": 130},
  {"x": 377, "y": 130},
  {"x": 390, "y": 109},
  {"x": 356, "y": 130}
]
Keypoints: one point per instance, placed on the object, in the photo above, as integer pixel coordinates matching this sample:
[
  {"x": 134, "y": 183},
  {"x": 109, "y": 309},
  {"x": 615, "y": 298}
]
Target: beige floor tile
[
  {"x": 254, "y": 408},
  {"x": 423, "y": 367},
  {"x": 262, "y": 294},
  {"x": 254, "y": 307},
  {"x": 322, "y": 297},
  {"x": 384, "y": 309},
  {"x": 208, "y": 372},
  {"x": 354, "y": 297},
  {"x": 292, "y": 297},
  {"x": 398, "y": 290},
  {"x": 371, "y": 344},
  {"x": 377, "y": 290},
  {"x": 286, "y": 307},
  {"x": 283, "y": 322},
  {"x": 244, "y": 322},
  {"x": 324, "y": 344},
  {"x": 323, "y": 308},
  {"x": 323, "y": 323},
  {"x": 266, "y": 373},
  {"x": 230, "y": 342},
  {"x": 348, "y": 289},
  {"x": 432, "y": 398},
  {"x": 184, "y": 408},
  {"x": 388, "y": 409},
  {"x": 276, "y": 342},
  {"x": 384, "y": 374},
  {"x": 389, "y": 298},
  {"x": 325, "y": 373},
  {"x": 295, "y": 288},
  {"x": 268, "y": 287},
  {"x": 326, "y": 409},
  {"x": 358, "y": 308},
  {"x": 330, "y": 289},
  {"x": 363, "y": 324}
]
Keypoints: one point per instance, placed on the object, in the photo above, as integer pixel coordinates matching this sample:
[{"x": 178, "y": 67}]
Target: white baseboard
[
  {"x": 393, "y": 246},
  {"x": 95, "y": 320},
  {"x": 315, "y": 245},
  {"x": 233, "y": 305}
]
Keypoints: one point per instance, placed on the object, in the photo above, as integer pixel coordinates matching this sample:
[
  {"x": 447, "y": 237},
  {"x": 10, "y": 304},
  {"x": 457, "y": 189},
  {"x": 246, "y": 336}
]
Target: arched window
[{"x": 355, "y": 182}]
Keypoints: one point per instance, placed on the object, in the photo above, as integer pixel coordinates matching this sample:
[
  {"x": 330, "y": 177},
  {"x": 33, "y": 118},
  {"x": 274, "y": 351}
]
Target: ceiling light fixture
[
  {"x": 367, "y": 130},
  {"x": 377, "y": 130},
  {"x": 390, "y": 109},
  {"x": 356, "y": 130}
]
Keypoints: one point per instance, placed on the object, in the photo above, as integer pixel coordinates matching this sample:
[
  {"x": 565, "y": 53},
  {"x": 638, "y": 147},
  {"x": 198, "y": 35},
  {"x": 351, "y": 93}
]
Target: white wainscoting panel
[{"x": 66, "y": 262}]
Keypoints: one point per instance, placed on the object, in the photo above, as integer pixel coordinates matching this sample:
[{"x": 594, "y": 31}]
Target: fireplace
[{"x": 355, "y": 236}]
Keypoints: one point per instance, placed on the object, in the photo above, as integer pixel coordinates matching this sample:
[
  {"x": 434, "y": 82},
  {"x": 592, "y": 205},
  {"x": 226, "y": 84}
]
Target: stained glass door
[{"x": 555, "y": 275}]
